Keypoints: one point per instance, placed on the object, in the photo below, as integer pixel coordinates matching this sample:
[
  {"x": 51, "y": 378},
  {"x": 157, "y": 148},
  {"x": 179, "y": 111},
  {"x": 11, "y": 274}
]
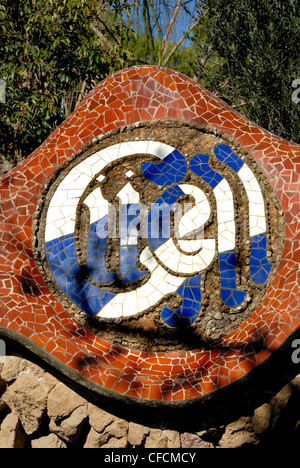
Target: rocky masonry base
[{"x": 39, "y": 411}]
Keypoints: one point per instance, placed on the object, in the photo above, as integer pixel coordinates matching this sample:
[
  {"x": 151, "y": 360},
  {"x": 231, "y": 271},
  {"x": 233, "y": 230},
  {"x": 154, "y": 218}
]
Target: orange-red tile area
[{"x": 28, "y": 307}]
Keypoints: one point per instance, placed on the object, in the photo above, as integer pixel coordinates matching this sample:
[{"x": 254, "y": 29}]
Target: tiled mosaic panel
[
  {"x": 28, "y": 307},
  {"x": 63, "y": 262},
  {"x": 97, "y": 280}
]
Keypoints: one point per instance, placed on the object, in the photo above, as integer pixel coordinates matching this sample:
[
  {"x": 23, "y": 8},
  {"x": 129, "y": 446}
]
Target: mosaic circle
[{"x": 162, "y": 236}]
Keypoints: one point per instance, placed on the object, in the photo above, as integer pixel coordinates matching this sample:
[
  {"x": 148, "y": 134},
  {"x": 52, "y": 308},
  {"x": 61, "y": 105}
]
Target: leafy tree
[
  {"x": 248, "y": 54},
  {"x": 52, "y": 52},
  {"x": 182, "y": 59},
  {"x": 162, "y": 28}
]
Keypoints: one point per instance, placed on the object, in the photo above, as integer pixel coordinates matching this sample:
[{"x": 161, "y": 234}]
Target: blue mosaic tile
[
  {"x": 62, "y": 260},
  {"x": 159, "y": 217},
  {"x": 260, "y": 267},
  {"x": 225, "y": 154},
  {"x": 171, "y": 170},
  {"x": 128, "y": 264},
  {"x": 199, "y": 165},
  {"x": 188, "y": 312}
]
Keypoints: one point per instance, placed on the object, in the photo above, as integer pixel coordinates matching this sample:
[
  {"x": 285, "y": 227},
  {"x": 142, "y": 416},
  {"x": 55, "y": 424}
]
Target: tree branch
[
  {"x": 178, "y": 43},
  {"x": 170, "y": 28},
  {"x": 158, "y": 32},
  {"x": 102, "y": 37}
]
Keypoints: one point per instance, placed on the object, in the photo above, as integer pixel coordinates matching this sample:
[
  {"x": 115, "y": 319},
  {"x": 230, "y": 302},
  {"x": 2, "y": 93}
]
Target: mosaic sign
[
  {"x": 150, "y": 245},
  {"x": 145, "y": 236}
]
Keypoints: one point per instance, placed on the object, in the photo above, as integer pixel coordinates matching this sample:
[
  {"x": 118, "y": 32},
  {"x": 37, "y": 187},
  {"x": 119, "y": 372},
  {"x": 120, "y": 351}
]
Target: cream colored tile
[
  {"x": 161, "y": 150},
  {"x": 128, "y": 195},
  {"x": 190, "y": 245}
]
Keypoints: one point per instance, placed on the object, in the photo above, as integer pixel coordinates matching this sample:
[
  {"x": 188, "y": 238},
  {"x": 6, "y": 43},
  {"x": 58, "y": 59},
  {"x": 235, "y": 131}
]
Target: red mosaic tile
[{"x": 27, "y": 305}]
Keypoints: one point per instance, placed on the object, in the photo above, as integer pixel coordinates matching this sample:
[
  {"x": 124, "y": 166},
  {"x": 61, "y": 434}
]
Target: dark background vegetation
[{"x": 53, "y": 52}]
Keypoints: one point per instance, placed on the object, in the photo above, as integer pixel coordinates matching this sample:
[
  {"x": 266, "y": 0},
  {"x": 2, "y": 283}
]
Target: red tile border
[{"x": 28, "y": 307}]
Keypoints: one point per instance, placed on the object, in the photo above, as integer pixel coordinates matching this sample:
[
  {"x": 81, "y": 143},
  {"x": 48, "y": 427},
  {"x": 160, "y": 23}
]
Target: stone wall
[{"x": 39, "y": 411}]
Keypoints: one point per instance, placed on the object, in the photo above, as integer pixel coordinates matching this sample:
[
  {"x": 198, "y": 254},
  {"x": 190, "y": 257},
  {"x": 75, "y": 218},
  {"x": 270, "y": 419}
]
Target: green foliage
[
  {"x": 53, "y": 52},
  {"x": 162, "y": 30},
  {"x": 248, "y": 54},
  {"x": 184, "y": 61},
  {"x": 48, "y": 49}
]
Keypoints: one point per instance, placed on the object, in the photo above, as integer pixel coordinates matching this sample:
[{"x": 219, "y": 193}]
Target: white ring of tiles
[
  {"x": 61, "y": 217},
  {"x": 168, "y": 265}
]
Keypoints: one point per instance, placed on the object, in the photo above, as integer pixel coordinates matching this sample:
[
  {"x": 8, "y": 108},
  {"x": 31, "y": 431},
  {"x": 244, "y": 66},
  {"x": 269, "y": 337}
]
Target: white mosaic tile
[
  {"x": 70, "y": 179},
  {"x": 208, "y": 253},
  {"x": 127, "y": 149},
  {"x": 143, "y": 303},
  {"x": 161, "y": 150},
  {"x": 82, "y": 181},
  {"x": 113, "y": 311},
  {"x": 190, "y": 245},
  {"x": 146, "y": 258},
  {"x": 133, "y": 302},
  {"x": 128, "y": 195},
  {"x": 97, "y": 204},
  {"x": 179, "y": 262},
  {"x": 197, "y": 216},
  {"x": 226, "y": 238},
  {"x": 257, "y": 225},
  {"x": 106, "y": 156},
  {"x": 73, "y": 185},
  {"x": 225, "y": 209},
  {"x": 64, "y": 228}
]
